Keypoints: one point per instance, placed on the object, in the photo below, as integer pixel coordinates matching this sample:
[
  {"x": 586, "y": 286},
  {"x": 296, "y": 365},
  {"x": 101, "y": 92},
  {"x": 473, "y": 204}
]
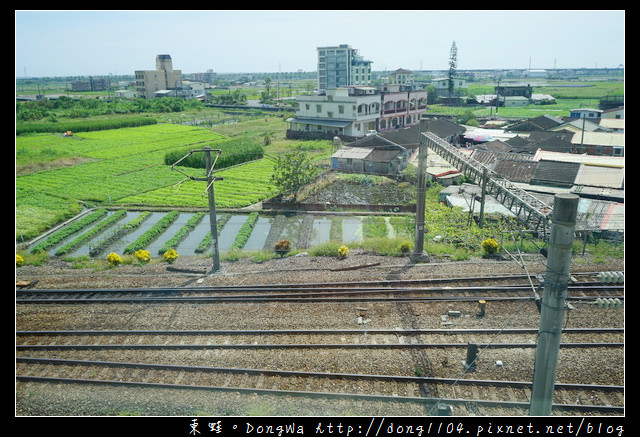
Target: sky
[{"x": 53, "y": 43}]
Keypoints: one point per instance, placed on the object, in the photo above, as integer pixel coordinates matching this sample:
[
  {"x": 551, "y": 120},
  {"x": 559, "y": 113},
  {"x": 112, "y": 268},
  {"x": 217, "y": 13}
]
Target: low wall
[{"x": 295, "y": 206}]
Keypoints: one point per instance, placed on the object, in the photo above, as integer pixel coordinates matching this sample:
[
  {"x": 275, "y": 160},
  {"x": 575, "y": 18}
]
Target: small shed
[
  {"x": 515, "y": 101},
  {"x": 350, "y": 159},
  {"x": 371, "y": 155}
]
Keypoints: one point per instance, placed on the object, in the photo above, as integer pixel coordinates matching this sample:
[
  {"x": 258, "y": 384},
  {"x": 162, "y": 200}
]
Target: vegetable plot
[
  {"x": 127, "y": 166},
  {"x": 100, "y": 233}
]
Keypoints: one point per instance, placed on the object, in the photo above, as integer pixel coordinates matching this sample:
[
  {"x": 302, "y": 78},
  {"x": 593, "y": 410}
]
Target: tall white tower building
[{"x": 341, "y": 66}]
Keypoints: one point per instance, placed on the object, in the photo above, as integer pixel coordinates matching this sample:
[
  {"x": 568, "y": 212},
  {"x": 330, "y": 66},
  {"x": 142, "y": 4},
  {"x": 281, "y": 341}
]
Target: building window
[
  {"x": 318, "y": 108},
  {"x": 340, "y": 109}
]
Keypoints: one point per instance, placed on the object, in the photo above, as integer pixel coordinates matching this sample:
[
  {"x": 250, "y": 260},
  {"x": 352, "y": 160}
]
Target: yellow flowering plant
[
  {"x": 170, "y": 256},
  {"x": 142, "y": 255},
  {"x": 343, "y": 251},
  {"x": 490, "y": 246},
  {"x": 114, "y": 258}
]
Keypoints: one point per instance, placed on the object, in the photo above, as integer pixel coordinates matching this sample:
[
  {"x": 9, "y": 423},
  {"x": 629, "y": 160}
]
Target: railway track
[
  {"x": 327, "y": 338},
  {"x": 463, "y": 392},
  {"x": 493, "y": 288},
  {"x": 408, "y": 363},
  {"x": 460, "y": 392}
]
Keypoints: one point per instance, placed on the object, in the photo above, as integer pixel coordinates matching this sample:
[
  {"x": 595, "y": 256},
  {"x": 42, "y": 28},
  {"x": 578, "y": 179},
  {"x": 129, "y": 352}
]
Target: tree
[
  {"x": 453, "y": 63},
  {"x": 292, "y": 171}
]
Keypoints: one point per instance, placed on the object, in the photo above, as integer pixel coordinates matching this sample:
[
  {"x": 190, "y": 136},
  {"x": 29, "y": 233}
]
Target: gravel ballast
[{"x": 47, "y": 399}]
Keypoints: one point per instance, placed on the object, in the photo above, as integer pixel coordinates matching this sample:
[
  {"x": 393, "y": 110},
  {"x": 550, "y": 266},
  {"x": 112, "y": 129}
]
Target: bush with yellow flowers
[
  {"x": 343, "y": 251},
  {"x": 142, "y": 255},
  {"x": 114, "y": 258},
  {"x": 19, "y": 260},
  {"x": 490, "y": 246},
  {"x": 170, "y": 256}
]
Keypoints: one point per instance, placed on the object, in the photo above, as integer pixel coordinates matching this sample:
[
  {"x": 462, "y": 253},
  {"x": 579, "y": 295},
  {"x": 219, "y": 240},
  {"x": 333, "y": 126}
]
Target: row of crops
[
  {"x": 129, "y": 166},
  {"x": 100, "y": 231}
]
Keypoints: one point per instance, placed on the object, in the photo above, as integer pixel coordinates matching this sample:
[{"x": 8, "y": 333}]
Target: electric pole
[
  {"x": 419, "y": 255},
  {"x": 212, "y": 208},
  {"x": 556, "y": 280},
  {"x": 210, "y": 179}
]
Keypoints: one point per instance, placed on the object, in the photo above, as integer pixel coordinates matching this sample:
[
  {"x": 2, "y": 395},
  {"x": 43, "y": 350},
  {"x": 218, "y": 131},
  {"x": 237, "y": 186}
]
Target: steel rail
[
  {"x": 328, "y": 288},
  {"x": 305, "y": 346},
  {"x": 300, "y": 299},
  {"x": 448, "y": 331},
  {"x": 400, "y": 378},
  {"x": 393, "y": 398}
]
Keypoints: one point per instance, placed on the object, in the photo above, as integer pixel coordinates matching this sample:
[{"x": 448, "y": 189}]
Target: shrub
[
  {"x": 343, "y": 251},
  {"x": 142, "y": 255},
  {"x": 490, "y": 246},
  {"x": 170, "y": 256},
  {"x": 114, "y": 258},
  {"x": 405, "y": 247},
  {"x": 282, "y": 247},
  {"x": 325, "y": 249},
  {"x": 19, "y": 260}
]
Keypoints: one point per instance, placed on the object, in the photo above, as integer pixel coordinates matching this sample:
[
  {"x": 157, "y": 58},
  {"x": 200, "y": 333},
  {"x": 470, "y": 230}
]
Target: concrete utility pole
[
  {"x": 483, "y": 197},
  {"x": 209, "y": 164},
  {"x": 212, "y": 208},
  {"x": 553, "y": 302},
  {"x": 419, "y": 255}
]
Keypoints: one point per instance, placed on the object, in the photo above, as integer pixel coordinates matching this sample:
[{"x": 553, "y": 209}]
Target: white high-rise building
[{"x": 341, "y": 66}]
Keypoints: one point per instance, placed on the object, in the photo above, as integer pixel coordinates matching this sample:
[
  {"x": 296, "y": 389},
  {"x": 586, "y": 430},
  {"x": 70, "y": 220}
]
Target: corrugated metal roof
[
  {"x": 600, "y": 176},
  {"x": 612, "y": 123},
  {"x": 383, "y": 155},
  {"x": 516, "y": 171},
  {"x": 599, "y": 138},
  {"x": 582, "y": 159},
  {"x": 598, "y": 214},
  {"x": 555, "y": 173},
  {"x": 352, "y": 152}
]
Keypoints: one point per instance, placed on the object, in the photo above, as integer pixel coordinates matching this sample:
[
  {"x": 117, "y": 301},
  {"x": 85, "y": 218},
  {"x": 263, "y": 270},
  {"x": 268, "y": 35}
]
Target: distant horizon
[
  {"x": 50, "y": 43},
  {"x": 315, "y": 71}
]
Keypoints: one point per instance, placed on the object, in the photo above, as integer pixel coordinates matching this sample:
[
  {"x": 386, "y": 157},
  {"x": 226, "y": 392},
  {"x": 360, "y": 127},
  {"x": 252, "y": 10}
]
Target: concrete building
[
  {"x": 585, "y": 113},
  {"x": 353, "y": 112},
  {"x": 401, "y": 106},
  {"x": 341, "y": 66},
  {"x": 441, "y": 86},
  {"x": 401, "y": 77},
  {"x": 164, "y": 77},
  {"x": 345, "y": 112}
]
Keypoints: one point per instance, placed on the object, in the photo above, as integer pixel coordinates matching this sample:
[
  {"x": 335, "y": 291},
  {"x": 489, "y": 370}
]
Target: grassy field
[{"x": 57, "y": 176}]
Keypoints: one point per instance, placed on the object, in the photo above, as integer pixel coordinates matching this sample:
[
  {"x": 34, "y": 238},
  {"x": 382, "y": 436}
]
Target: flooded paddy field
[{"x": 303, "y": 230}]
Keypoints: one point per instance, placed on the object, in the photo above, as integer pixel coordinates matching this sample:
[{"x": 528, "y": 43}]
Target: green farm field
[{"x": 58, "y": 176}]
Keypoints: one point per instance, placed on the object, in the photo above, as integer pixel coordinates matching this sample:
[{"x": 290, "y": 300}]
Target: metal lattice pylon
[{"x": 530, "y": 210}]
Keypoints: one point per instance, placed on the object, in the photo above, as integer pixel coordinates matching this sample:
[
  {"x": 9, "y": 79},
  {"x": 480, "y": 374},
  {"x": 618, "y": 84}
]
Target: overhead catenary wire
[{"x": 504, "y": 328}]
